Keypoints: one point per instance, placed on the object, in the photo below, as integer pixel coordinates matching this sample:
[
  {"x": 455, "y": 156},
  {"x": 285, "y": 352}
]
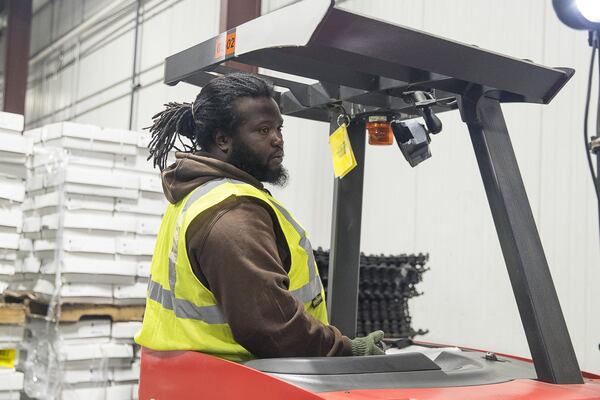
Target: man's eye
[{"x": 265, "y": 130}]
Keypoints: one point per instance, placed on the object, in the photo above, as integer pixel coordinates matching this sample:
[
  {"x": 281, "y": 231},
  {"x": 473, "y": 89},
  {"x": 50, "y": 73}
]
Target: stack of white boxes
[
  {"x": 89, "y": 359},
  {"x": 91, "y": 214},
  {"x": 92, "y": 209},
  {"x": 14, "y": 150}
]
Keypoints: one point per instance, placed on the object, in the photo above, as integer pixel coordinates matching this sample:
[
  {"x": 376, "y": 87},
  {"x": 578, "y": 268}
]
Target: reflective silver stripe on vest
[
  {"x": 212, "y": 314},
  {"x": 183, "y": 308}
]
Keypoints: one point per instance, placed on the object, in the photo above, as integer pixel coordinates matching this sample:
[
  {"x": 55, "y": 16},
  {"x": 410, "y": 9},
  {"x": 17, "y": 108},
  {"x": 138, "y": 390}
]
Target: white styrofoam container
[
  {"x": 101, "y": 191},
  {"x": 15, "y": 143},
  {"x": 10, "y": 380},
  {"x": 127, "y": 374},
  {"x": 27, "y": 263},
  {"x": 79, "y": 243},
  {"x": 88, "y": 328},
  {"x": 8, "y": 256},
  {"x": 143, "y": 269},
  {"x": 139, "y": 246},
  {"x": 77, "y": 352},
  {"x": 11, "y": 121},
  {"x": 69, "y": 201},
  {"x": 130, "y": 294},
  {"x": 116, "y": 392},
  {"x": 11, "y": 216},
  {"x": 11, "y": 395},
  {"x": 87, "y": 375},
  {"x": 6, "y": 269},
  {"x": 125, "y": 330},
  {"x": 78, "y": 269},
  {"x": 12, "y": 189},
  {"x": 12, "y": 167},
  {"x": 49, "y": 156},
  {"x": 148, "y": 205},
  {"x": 9, "y": 240},
  {"x": 88, "y": 144},
  {"x": 11, "y": 335},
  {"x": 75, "y": 292},
  {"x": 90, "y": 220}
]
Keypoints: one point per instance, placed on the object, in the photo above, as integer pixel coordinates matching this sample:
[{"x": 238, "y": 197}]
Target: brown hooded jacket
[{"x": 239, "y": 252}]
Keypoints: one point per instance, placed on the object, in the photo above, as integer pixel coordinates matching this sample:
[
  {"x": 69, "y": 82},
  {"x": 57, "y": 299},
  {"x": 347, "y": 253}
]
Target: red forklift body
[{"x": 191, "y": 375}]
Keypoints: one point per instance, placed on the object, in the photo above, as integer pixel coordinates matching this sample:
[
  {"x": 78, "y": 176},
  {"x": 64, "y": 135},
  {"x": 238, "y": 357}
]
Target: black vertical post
[
  {"x": 545, "y": 328},
  {"x": 344, "y": 256},
  {"x": 16, "y": 55}
]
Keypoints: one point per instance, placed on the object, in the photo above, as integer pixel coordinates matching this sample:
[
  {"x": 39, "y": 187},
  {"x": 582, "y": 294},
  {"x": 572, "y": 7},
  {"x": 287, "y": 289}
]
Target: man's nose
[{"x": 277, "y": 139}]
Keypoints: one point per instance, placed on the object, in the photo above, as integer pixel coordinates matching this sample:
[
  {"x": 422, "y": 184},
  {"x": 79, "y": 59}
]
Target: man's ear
[{"x": 223, "y": 142}]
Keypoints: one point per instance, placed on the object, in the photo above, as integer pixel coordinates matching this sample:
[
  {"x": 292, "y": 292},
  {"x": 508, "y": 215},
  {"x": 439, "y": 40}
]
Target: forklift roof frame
[{"x": 363, "y": 64}]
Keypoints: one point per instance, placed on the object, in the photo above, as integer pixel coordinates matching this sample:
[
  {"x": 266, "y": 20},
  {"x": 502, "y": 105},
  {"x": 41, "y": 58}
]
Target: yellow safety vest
[{"x": 181, "y": 313}]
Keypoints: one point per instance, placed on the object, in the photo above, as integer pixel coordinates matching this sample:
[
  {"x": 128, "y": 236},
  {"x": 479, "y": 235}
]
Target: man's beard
[{"x": 245, "y": 159}]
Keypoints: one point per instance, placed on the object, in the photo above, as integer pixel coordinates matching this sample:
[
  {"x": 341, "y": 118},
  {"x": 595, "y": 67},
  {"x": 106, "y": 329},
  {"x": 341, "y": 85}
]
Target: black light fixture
[{"x": 578, "y": 14}]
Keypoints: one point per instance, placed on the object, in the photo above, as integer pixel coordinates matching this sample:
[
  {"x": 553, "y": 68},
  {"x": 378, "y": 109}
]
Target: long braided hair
[{"x": 198, "y": 122}]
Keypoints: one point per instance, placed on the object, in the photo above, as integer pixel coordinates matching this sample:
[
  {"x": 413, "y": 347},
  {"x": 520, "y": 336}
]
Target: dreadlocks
[{"x": 212, "y": 111}]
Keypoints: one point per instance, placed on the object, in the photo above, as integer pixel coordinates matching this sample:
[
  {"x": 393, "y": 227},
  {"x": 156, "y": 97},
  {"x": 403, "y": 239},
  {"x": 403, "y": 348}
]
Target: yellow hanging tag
[
  {"x": 7, "y": 358},
  {"x": 341, "y": 152}
]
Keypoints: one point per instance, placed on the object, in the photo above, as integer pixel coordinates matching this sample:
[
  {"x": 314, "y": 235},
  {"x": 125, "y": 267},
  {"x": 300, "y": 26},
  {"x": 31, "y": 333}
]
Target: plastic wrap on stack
[
  {"x": 386, "y": 284},
  {"x": 14, "y": 150},
  {"x": 12, "y": 319},
  {"x": 75, "y": 360},
  {"x": 92, "y": 211}
]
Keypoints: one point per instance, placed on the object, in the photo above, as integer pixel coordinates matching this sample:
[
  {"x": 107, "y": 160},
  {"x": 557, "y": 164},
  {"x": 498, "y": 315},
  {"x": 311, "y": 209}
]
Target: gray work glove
[{"x": 368, "y": 346}]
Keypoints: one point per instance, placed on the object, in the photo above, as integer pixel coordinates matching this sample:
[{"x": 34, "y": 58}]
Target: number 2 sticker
[{"x": 225, "y": 45}]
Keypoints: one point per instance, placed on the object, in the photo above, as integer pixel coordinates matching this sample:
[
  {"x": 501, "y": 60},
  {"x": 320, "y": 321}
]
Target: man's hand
[{"x": 369, "y": 345}]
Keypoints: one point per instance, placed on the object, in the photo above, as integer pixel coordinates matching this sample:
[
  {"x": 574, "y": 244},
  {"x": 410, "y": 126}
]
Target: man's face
[{"x": 257, "y": 145}]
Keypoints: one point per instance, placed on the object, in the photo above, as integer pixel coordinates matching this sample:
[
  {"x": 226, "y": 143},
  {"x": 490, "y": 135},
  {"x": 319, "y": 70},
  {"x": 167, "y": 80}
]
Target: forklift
[{"x": 380, "y": 79}]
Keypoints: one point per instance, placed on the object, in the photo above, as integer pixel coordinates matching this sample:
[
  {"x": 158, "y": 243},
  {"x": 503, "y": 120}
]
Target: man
[{"x": 233, "y": 274}]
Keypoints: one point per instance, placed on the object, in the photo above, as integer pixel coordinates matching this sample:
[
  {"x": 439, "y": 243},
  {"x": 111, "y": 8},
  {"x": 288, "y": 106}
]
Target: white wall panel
[
  {"x": 109, "y": 64},
  {"x": 103, "y": 75},
  {"x": 163, "y": 35},
  {"x": 152, "y": 99},
  {"x": 41, "y": 28},
  {"x": 114, "y": 114},
  {"x": 309, "y": 192}
]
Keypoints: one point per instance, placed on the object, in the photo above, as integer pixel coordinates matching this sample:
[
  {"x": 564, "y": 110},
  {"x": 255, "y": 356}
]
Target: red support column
[
  {"x": 234, "y": 13},
  {"x": 16, "y": 56}
]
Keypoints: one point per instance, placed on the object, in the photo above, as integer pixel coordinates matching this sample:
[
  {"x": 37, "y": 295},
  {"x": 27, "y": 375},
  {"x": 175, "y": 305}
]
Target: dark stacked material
[{"x": 386, "y": 284}]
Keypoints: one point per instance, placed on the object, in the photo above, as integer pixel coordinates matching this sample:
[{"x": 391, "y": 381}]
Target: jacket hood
[{"x": 191, "y": 170}]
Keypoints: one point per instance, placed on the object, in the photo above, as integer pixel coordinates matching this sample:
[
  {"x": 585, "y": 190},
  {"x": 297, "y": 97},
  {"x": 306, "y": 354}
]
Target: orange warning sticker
[
  {"x": 230, "y": 44},
  {"x": 225, "y": 45}
]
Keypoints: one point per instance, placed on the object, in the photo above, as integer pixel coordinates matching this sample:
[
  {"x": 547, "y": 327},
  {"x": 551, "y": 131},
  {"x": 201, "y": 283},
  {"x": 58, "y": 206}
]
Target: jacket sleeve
[{"x": 237, "y": 253}]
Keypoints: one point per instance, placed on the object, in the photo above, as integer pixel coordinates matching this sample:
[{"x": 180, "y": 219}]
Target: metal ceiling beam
[{"x": 16, "y": 56}]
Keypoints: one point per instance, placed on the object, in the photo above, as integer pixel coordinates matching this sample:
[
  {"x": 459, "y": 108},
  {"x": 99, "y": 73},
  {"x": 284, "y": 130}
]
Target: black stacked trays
[{"x": 386, "y": 283}]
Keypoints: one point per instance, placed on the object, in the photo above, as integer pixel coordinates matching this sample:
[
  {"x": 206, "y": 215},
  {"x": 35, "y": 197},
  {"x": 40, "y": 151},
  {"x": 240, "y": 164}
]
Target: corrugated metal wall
[{"x": 439, "y": 207}]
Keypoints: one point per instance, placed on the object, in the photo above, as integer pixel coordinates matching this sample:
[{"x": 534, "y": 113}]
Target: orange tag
[
  {"x": 225, "y": 45},
  {"x": 230, "y": 44}
]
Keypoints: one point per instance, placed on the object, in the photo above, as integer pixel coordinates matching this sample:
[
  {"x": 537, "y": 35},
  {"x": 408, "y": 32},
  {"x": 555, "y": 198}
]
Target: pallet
[
  {"x": 75, "y": 312},
  {"x": 72, "y": 312},
  {"x": 12, "y": 314}
]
